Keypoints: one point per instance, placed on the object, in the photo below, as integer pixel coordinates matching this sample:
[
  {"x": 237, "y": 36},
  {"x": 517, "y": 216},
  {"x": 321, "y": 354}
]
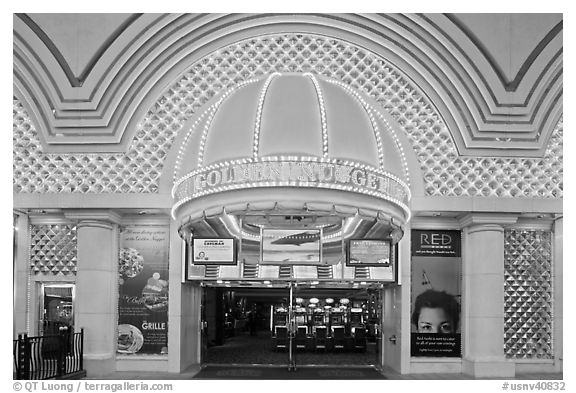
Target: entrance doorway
[
  {"x": 56, "y": 308},
  {"x": 292, "y": 324}
]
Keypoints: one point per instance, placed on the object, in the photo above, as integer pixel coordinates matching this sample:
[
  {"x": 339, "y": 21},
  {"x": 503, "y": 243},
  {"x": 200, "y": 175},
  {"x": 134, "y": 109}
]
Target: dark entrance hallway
[{"x": 244, "y": 325}]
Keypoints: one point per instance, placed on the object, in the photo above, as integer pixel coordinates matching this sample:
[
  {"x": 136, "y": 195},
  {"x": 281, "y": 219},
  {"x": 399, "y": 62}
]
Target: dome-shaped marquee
[{"x": 296, "y": 136}]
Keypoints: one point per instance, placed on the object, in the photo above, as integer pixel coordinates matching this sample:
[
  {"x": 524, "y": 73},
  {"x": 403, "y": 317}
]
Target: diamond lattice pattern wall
[
  {"x": 444, "y": 171},
  {"x": 528, "y": 294},
  {"x": 53, "y": 249}
]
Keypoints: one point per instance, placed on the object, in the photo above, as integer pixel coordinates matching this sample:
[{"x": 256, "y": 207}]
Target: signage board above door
[
  {"x": 432, "y": 243},
  {"x": 213, "y": 251},
  {"x": 292, "y": 171}
]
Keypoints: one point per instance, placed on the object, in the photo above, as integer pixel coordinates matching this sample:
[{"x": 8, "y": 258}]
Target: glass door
[
  {"x": 375, "y": 323},
  {"x": 288, "y": 327},
  {"x": 203, "y": 328},
  {"x": 56, "y": 308},
  {"x": 308, "y": 327},
  {"x": 297, "y": 327},
  {"x": 292, "y": 329}
]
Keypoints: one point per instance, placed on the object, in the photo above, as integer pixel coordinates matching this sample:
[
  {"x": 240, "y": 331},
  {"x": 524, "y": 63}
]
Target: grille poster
[
  {"x": 436, "y": 294},
  {"x": 143, "y": 290}
]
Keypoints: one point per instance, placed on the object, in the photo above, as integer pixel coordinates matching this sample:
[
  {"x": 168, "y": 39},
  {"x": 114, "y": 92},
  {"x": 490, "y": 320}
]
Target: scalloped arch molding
[{"x": 98, "y": 106}]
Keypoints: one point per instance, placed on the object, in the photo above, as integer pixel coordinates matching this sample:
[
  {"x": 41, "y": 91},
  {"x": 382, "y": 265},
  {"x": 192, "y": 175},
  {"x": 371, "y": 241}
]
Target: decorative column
[
  {"x": 97, "y": 288},
  {"x": 21, "y": 272},
  {"x": 183, "y": 312},
  {"x": 186, "y": 312},
  {"x": 483, "y": 296},
  {"x": 558, "y": 274}
]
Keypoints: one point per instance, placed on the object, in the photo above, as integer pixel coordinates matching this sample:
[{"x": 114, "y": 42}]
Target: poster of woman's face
[
  {"x": 436, "y": 280},
  {"x": 435, "y": 311},
  {"x": 436, "y": 288}
]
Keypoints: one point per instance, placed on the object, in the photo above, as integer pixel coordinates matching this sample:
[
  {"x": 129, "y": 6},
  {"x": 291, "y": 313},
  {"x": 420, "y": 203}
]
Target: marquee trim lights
[
  {"x": 398, "y": 145},
  {"x": 371, "y": 111},
  {"x": 292, "y": 171},
  {"x": 258, "y": 123},
  {"x": 210, "y": 112},
  {"x": 213, "y": 109},
  {"x": 368, "y": 109},
  {"x": 322, "y": 113},
  {"x": 184, "y": 144}
]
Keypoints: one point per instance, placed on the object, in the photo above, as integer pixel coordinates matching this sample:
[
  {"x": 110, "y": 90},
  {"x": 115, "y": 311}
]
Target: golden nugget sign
[{"x": 296, "y": 172}]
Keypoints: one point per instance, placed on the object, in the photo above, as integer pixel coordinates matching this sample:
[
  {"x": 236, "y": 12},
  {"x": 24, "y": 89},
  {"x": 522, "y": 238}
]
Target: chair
[
  {"x": 320, "y": 337},
  {"x": 360, "y": 338},
  {"x": 301, "y": 337},
  {"x": 281, "y": 337},
  {"x": 339, "y": 339}
]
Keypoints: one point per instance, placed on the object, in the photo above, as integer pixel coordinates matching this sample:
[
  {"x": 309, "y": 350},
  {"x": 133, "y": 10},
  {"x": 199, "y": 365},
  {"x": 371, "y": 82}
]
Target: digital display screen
[
  {"x": 213, "y": 251},
  {"x": 363, "y": 252}
]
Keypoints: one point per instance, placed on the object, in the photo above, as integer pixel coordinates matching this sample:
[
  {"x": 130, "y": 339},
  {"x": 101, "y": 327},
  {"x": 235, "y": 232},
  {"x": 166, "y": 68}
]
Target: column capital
[
  {"x": 48, "y": 219},
  {"x": 94, "y": 217},
  {"x": 487, "y": 219},
  {"x": 558, "y": 222},
  {"x": 434, "y": 223}
]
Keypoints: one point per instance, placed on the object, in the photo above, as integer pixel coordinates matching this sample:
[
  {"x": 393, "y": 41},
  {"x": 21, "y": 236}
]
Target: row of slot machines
[
  {"x": 331, "y": 328},
  {"x": 330, "y": 318}
]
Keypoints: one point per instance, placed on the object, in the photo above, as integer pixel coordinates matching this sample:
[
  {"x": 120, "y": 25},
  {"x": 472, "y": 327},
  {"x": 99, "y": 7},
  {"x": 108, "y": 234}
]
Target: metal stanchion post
[{"x": 291, "y": 329}]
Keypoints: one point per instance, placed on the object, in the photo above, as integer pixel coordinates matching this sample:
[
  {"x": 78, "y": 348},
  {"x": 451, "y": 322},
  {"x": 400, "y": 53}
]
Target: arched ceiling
[
  {"x": 87, "y": 79},
  {"x": 525, "y": 34}
]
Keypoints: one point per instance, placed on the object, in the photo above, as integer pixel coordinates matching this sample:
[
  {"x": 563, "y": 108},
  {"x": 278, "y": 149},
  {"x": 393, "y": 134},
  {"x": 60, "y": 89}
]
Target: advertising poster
[
  {"x": 436, "y": 293},
  {"x": 143, "y": 290},
  {"x": 295, "y": 246}
]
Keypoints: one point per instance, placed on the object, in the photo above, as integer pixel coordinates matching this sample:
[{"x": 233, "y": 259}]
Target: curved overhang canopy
[{"x": 243, "y": 220}]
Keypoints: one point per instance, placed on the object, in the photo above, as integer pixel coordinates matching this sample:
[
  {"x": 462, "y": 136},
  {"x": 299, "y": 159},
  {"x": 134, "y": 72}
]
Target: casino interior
[{"x": 379, "y": 191}]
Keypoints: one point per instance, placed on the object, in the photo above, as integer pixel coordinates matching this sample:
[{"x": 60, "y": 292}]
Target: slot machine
[
  {"x": 337, "y": 315},
  {"x": 345, "y": 308},
  {"x": 320, "y": 330},
  {"x": 301, "y": 321},
  {"x": 356, "y": 317},
  {"x": 358, "y": 328},
  {"x": 310, "y": 318},
  {"x": 317, "y": 319},
  {"x": 280, "y": 327},
  {"x": 338, "y": 327},
  {"x": 279, "y": 318},
  {"x": 300, "y": 316},
  {"x": 313, "y": 306}
]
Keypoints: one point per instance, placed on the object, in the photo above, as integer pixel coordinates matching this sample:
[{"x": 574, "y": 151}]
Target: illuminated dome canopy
[
  {"x": 295, "y": 135},
  {"x": 291, "y": 114}
]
